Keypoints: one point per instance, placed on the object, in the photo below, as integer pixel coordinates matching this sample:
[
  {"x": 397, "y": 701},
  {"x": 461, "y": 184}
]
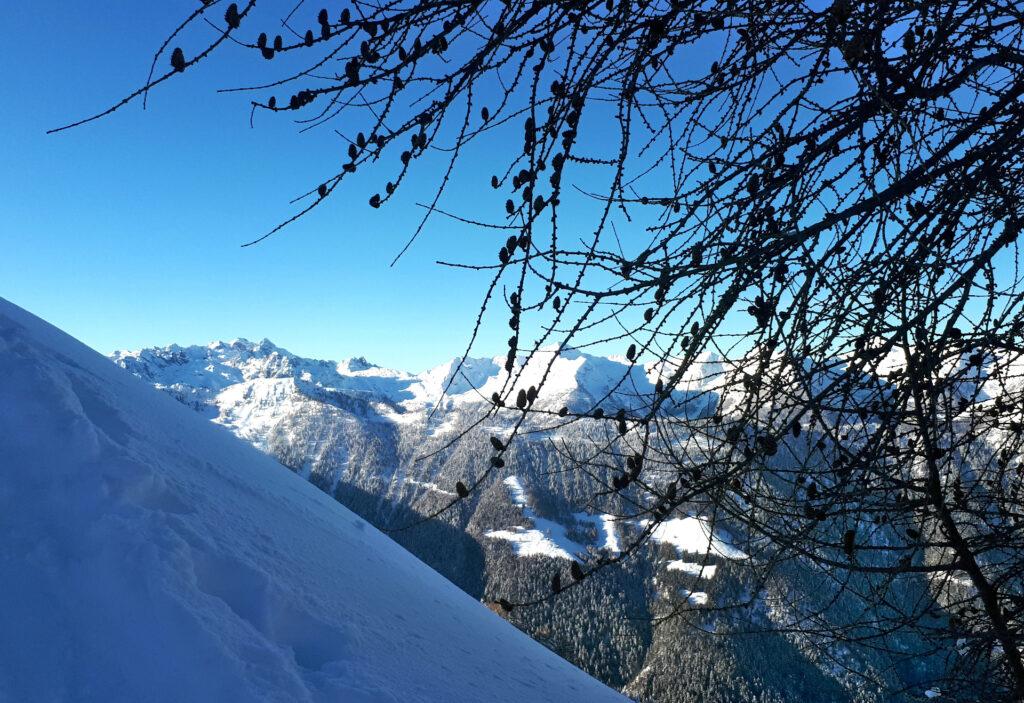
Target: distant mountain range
[
  {"x": 380, "y": 442},
  {"x": 203, "y": 374}
]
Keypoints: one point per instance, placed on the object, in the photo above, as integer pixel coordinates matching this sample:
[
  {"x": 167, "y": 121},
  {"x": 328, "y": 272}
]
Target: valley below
[{"x": 663, "y": 625}]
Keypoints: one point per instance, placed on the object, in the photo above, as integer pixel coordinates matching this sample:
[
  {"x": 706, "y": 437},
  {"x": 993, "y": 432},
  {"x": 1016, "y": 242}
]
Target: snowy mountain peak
[
  {"x": 355, "y": 365},
  {"x": 242, "y": 345},
  {"x": 239, "y": 381}
]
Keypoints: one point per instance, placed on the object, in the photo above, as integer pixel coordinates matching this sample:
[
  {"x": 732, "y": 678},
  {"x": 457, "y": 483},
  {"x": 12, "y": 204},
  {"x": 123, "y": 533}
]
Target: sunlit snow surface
[
  {"x": 607, "y": 525},
  {"x": 545, "y": 538},
  {"x": 694, "y": 597},
  {"x": 693, "y": 535},
  {"x": 149, "y": 555},
  {"x": 689, "y": 535},
  {"x": 706, "y": 571}
]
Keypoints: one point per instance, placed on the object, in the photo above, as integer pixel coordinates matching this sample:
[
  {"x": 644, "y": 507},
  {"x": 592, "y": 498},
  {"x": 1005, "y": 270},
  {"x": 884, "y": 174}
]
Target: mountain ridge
[{"x": 576, "y": 379}]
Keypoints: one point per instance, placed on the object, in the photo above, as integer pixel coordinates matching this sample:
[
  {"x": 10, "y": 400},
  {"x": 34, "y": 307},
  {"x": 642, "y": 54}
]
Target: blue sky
[{"x": 126, "y": 232}]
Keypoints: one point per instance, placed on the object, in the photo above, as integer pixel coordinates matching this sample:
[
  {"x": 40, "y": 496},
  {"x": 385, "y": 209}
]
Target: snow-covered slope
[{"x": 148, "y": 555}]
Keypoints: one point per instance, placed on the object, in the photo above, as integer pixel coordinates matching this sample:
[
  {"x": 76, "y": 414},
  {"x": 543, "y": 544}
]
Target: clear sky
[{"x": 126, "y": 232}]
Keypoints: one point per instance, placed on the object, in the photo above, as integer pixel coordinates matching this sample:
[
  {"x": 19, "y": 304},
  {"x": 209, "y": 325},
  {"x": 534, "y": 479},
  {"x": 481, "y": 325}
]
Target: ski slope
[{"x": 149, "y": 555}]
